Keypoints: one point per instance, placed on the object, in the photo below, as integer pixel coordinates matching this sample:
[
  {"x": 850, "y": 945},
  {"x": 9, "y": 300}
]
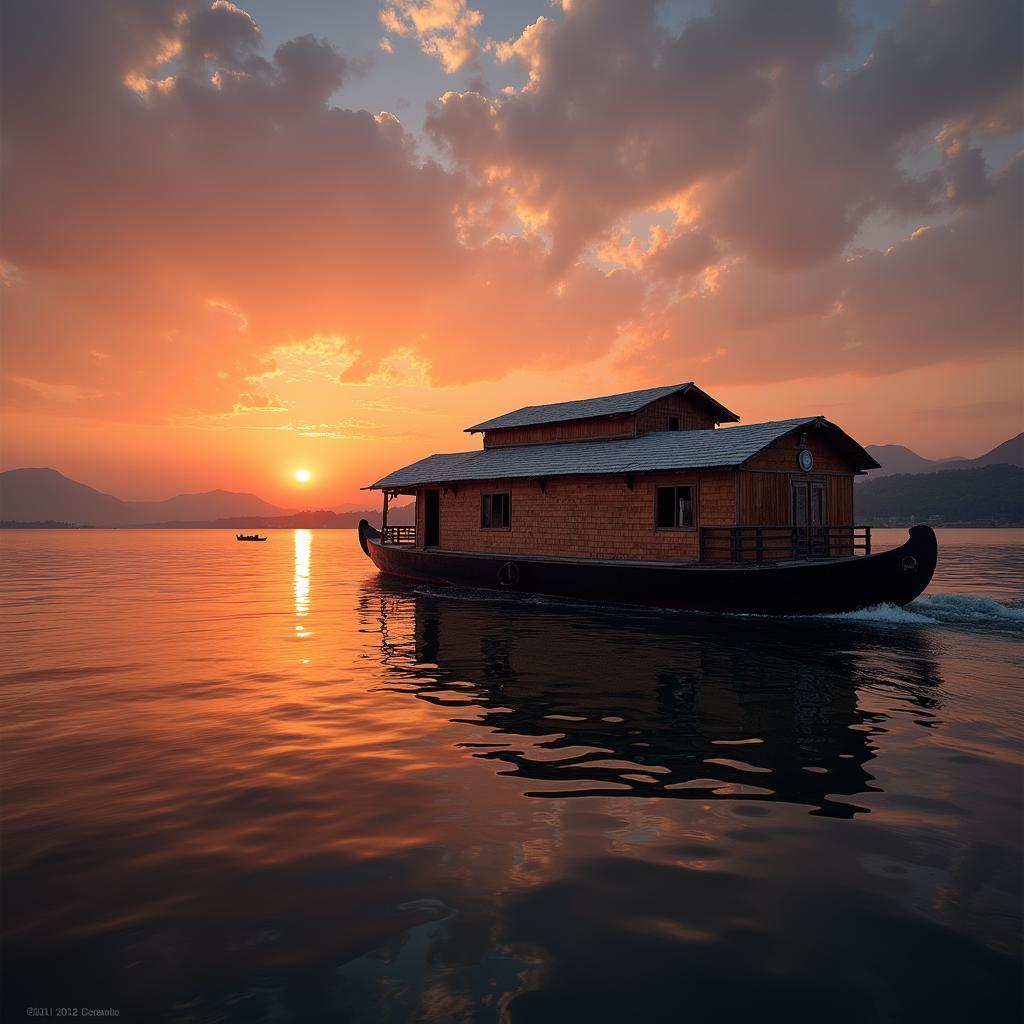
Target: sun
[{"x": 303, "y": 476}]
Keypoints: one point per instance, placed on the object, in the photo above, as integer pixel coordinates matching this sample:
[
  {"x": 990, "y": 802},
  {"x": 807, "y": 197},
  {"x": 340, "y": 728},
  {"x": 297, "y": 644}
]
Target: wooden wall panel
[
  {"x": 764, "y": 499},
  {"x": 586, "y": 516},
  {"x": 840, "y": 500},
  {"x": 548, "y": 433},
  {"x": 782, "y": 455},
  {"x": 655, "y": 416}
]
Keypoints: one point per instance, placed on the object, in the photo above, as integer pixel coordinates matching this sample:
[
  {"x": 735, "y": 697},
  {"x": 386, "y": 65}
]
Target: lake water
[{"x": 258, "y": 783}]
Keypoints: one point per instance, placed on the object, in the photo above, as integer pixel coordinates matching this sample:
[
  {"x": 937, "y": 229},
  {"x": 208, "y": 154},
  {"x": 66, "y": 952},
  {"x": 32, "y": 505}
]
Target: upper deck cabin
[
  {"x": 648, "y": 476},
  {"x": 675, "y": 407}
]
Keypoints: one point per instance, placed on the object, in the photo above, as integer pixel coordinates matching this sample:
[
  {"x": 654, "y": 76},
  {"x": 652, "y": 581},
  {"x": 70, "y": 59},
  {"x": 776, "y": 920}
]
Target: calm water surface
[{"x": 258, "y": 783}]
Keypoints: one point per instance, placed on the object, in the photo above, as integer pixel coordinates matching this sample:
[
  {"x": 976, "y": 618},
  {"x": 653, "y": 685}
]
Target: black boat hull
[{"x": 794, "y": 588}]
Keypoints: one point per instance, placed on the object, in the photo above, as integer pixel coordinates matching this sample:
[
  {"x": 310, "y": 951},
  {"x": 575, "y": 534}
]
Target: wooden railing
[
  {"x": 776, "y": 543},
  {"x": 399, "y": 535}
]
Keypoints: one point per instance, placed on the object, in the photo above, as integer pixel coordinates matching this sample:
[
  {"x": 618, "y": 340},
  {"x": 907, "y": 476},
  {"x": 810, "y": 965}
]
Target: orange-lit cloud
[
  {"x": 197, "y": 232},
  {"x": 446, "y": 29}
]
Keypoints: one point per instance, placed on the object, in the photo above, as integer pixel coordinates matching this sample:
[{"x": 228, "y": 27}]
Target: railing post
[
  {"x": 759, "y": 545},
  {"x": 867, "y": 540}
]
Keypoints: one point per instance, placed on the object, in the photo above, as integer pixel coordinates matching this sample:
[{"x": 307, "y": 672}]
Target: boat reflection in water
[
  {"x": 741, "y": 894},
  {"x": 301, "y": 792},
  {"x": 622, "y": 702}
]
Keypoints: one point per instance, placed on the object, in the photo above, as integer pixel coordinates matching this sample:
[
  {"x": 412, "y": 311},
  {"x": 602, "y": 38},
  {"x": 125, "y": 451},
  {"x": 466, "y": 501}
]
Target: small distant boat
[{"x": 249, "y": 536}]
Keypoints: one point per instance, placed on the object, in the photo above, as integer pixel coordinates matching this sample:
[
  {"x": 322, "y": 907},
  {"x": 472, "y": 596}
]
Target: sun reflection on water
[
  {"x": 412, "y": 810},
  {"x": 303, "y": 550}
]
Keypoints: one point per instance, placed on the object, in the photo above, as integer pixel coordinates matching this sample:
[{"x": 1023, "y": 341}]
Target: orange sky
[{"x": 222, "y": 261}]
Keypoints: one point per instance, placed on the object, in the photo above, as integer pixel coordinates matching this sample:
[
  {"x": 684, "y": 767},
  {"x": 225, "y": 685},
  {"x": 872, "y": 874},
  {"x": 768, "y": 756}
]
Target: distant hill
[
  {"x": 319, "y": 519},
  {"x": 984, "y": 496},
  {"x": 1009, "y": 453},
  {"x": 895, "y": 458},
  {"x": 349, "y": 506},
  {"x": 37, "y": 495},
  {"x": 47, "y": 499},
  {"x": 205, "y": 505},
  {"x": 49, "y": 524}
]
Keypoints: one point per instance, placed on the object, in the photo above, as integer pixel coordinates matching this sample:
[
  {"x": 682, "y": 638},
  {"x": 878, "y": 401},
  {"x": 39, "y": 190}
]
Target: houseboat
[{"x": 648, "y": 498}]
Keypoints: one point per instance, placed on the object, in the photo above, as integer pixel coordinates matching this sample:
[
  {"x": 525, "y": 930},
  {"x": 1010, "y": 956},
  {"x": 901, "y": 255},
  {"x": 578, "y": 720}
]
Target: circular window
[{"x": 805, "y": 459}]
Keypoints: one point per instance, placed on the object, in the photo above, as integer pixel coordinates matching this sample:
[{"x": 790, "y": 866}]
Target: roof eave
[
  {"x": 726, "y": 415},
  {"x": 548, "y": 423},
  {"x": 539, "y": 474}
]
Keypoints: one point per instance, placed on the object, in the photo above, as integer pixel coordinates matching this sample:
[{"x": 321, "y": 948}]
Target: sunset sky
[{"x": 330, "y": 234}]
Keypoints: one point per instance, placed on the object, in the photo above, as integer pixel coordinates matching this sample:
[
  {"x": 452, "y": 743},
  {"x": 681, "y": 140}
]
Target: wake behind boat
[
  {"x": 643, "y": 498},
  {"x": 249, "y": 536}
]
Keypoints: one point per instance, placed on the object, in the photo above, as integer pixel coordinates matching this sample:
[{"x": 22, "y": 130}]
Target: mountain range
[
  {"x": 895, "y": 458},
  {"x": 46, "y": 496},
  {"x": 983, "y": 496}
]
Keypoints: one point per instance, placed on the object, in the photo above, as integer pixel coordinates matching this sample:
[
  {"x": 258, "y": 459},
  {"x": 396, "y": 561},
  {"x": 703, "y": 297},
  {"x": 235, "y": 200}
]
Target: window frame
[
  {"x": 678, "y": 424},
  {"x": 692, "y": 485},
  {"x": 486, "y": 496}
]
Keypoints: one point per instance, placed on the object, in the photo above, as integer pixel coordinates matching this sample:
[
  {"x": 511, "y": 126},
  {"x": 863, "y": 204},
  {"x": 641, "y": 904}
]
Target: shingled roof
[
  {"x": 609, "y": 405},
  {"x": 668, "y": 450}
]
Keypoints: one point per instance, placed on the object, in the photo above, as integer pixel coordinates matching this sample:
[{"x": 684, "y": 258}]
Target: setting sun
[{"x": 303, "y": 476}]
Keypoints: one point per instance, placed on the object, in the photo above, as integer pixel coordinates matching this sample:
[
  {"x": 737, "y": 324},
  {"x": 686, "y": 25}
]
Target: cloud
[
  {"x": 511, "y": 314},
  {"x": 221, "y": 32},
  {"x": 749, "y": 111},
  {"x": 191, "y": 221},
  {"x": 446, "y": 29},
  {"x": 950, "y": 294},
  {"x": 190, "y": 230}
]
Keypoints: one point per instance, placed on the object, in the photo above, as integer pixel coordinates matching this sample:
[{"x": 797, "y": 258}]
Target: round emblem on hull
[
  {"x": 508, "y": 574},
  {"x": 805, "y": 459}
]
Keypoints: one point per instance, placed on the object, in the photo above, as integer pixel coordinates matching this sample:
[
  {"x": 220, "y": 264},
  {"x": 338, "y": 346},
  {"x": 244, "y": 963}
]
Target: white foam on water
[
  {"x": 954, "y": 608},
  {"x": 941, "y": 609},
  {"x": 887, "y": 614}
]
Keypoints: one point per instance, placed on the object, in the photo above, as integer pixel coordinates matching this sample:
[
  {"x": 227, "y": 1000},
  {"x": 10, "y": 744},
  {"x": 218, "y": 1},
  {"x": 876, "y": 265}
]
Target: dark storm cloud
[{"x": 788, "y": 158}]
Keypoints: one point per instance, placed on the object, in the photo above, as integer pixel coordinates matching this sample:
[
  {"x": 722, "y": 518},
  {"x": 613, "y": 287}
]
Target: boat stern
[{"x": 366, "y": 534}]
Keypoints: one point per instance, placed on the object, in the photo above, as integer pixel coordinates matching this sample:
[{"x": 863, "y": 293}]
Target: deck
[{"x": 719, "y": 545}]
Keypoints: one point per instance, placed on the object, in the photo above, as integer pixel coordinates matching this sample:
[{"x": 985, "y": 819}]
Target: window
[
  {"x": 674, "y": 507},
  {"x": 495, "y": 511},
  {"x": 673, "y": 423}
]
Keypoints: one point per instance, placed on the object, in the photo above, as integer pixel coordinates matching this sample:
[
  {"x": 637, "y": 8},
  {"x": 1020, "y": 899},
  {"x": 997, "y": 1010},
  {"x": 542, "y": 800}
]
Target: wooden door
[
  {"x": 800, "y": 506},
  {"x": 818, "y": 516},
  {"x": 809, "y": 503},
  {"x": 432, "y": 519}
]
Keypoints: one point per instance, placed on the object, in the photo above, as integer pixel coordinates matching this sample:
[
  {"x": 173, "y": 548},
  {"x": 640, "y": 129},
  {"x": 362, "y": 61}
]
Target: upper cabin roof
[
  {"x": 609, "y": 405},
  {"x": 668, "y": 450}
]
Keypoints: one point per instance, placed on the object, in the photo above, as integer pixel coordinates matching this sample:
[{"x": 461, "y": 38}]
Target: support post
[{"x": 384, "y": 519}]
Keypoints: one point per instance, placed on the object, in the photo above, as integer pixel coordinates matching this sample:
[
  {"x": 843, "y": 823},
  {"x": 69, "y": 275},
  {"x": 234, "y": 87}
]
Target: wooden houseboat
[{"x": 645, "y": 497}]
